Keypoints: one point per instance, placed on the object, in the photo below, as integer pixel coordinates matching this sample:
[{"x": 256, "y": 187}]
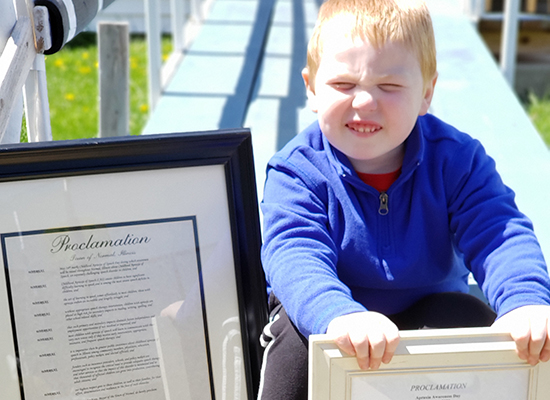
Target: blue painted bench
[
  {"x": 244, "y": 70},
  {"x": 472, "y": 95},
  {"x": 278, "y": 110},
  {"x": 211, "y": 87}
]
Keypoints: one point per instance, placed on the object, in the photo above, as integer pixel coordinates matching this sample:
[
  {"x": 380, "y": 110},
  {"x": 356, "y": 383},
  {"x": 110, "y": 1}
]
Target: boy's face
[{"x": 368, "y": 100}]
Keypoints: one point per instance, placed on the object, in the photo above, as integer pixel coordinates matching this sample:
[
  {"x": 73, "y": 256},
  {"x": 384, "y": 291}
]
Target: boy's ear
[
  {"x": 428, "y": 95},
  {"x": 310, "y": 90}
]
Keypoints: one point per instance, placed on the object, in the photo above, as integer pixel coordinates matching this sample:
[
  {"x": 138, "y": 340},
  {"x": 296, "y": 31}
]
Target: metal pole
[
  {"x": 177, "y": 11},
  {"x": 152, "y": 21},
  {"x": 15, "y": 62},
  {"x": 37, "y": 106},
  {"x": 508, "y": 44},
  {"x": 12, "y": 132}
]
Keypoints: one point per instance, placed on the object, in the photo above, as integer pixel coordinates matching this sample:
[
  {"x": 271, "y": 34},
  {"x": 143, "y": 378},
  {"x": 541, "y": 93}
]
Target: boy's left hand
[{"x": 530, "y": 329}]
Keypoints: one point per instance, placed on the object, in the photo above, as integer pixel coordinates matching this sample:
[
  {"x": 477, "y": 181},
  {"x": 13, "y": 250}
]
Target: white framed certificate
[
  {"x": 131, "y": 269},
  {"x": 441, "y": 364}
]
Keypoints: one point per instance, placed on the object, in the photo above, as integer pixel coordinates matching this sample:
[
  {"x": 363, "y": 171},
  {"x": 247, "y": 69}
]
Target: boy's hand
[
  {"x": 369, "y": 336},
  {"x": 530, "y": 329}
]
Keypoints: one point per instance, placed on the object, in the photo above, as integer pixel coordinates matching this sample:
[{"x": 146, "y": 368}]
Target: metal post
[
  {"x": 37, "y": 107},
  {"x": 508, "y": 44},
  {"x": 152, "y": 21},
  {"x": 12, "y": 131},
  {"x": 177, "y": 11},
  {"x": 15, "y": 62},
  {"x": 114, "y": 78}
]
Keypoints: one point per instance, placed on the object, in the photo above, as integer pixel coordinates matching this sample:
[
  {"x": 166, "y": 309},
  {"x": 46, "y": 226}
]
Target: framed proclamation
[
  {"x": 445, "y": 364},
  {"x": 131, "y": 269}
]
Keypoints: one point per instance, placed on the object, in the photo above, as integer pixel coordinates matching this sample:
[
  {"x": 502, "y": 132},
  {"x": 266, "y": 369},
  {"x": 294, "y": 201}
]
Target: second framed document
[
  {"x": 131, "y": 269},
  {"x": 447, "y": 364}
]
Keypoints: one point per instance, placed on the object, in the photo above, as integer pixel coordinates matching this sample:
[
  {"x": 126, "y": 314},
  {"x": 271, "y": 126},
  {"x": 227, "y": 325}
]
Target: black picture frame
[{"x": 33, "y": 165}]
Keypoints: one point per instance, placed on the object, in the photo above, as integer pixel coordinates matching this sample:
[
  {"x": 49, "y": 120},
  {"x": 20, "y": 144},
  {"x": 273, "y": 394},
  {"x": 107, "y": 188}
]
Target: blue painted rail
[
  {"x": 244, "y": 68},
  {"x": 213, "y": 85}
]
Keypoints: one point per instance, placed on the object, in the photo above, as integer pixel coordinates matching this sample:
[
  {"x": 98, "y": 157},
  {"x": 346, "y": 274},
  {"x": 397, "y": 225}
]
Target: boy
[{"x": 375, "y": 214}]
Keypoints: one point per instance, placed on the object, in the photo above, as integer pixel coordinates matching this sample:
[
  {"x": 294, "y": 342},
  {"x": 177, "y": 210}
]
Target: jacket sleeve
[
  {"x": 496, "y": 239},
  {"x": 298, "y": 255}
]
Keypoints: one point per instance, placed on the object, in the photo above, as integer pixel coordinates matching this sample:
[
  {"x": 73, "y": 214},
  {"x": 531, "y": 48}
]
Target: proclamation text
[
  {"x": 461, "y": 384},
  {"x": 109, "y": 311}
]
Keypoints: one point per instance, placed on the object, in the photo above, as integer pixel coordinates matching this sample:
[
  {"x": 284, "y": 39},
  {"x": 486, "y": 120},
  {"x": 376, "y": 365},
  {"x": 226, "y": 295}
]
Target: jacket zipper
[{"x": 383, "y": 209}]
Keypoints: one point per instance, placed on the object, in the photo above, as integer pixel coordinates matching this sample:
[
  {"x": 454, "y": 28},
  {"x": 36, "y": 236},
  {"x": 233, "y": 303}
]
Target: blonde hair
[{"x": 403, "y": 21}]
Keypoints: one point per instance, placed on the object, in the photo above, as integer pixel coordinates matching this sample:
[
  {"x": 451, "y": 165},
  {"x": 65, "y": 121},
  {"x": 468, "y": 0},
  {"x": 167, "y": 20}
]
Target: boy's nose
[{"x": 364, "y": 99}]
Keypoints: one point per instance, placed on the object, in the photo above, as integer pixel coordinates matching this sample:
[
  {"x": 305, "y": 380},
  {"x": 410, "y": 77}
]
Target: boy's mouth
[{"x": 363, "y": 127}]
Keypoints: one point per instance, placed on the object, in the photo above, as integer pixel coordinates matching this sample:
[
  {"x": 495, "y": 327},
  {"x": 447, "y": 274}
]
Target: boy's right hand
[{"x": 370, "y": 336}]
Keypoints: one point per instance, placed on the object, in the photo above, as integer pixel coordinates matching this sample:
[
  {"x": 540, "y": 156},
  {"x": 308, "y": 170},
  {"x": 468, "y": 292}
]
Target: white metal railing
[
  {"x": 25, "y": 34},
  {"x": 511, "y": 16},
  {"x": 186, "y": 18},
  {"x": 528, "y": 10},
  {"x": 509, "y": 41},
  {"x": 22, "y": 66}
]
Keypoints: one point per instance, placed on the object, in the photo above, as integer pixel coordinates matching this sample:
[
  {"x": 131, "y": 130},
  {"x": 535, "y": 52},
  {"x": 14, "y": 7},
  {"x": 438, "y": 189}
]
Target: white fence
[
  {"x": 513, "y": 12},
  {"x": 186, "y": 19},
  {"x": 21, "y": 64}
]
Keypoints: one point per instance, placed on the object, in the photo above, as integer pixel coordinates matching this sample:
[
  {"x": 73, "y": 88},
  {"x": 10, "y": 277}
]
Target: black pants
[{"x": 284, "y": 369}]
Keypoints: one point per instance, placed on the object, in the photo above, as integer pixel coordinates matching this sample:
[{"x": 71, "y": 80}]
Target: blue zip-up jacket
[{"x": 334, "y": 245}]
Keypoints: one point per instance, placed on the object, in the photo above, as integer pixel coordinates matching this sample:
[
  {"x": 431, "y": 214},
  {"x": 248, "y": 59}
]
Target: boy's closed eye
[
  {"x": 343, "y": 86},
  {"x": 390, "y": 87},
  {"x": 347, "y": 86}
]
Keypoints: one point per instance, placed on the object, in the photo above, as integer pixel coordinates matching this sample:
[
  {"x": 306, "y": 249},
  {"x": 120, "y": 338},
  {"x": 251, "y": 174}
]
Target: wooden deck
[{"x": 244, "y": 70}]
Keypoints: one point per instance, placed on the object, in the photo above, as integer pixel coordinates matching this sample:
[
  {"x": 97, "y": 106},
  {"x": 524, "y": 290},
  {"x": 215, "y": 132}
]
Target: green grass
[
  {"x": 539, "y": 111},
  {"x": 72, "y": 76}
]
